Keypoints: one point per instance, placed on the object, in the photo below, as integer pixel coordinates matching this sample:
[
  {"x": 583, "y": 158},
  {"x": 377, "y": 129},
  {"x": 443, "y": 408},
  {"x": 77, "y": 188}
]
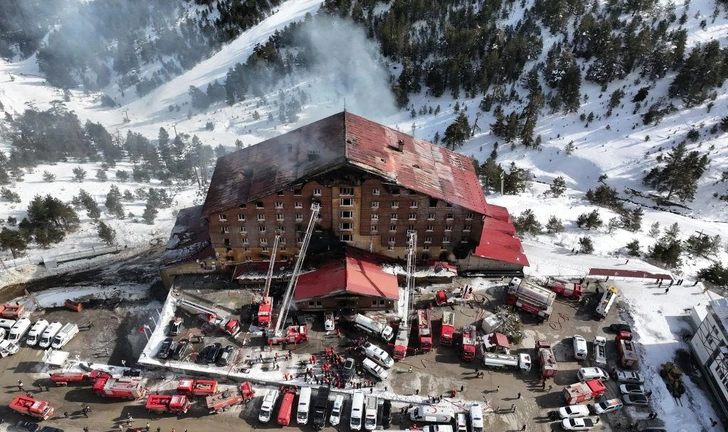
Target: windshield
[{"x": 370, "y": 421}]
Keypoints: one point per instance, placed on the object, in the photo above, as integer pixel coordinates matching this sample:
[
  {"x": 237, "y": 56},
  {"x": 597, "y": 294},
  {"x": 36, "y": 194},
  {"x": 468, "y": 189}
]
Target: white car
[
  {"x": 437, "y": 428},
  {"x": 626, "y": 389},
  {"x": 573, "y": 411},
  {"x": 580, "y": 349},
  {"x": 606, "y": 406},
  {"x": 329, "y": 321},
  {"x": 578, "y": 424},
  {"x": 8, "y": 348},
  {"x": 630, "y": 377},
  {"x": 336, "y": 409}
]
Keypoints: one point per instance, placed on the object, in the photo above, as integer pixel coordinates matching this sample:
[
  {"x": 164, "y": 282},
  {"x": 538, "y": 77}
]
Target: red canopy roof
[
  {"x": 353, "y": 275},
  {"x": 498, "y": 239}
]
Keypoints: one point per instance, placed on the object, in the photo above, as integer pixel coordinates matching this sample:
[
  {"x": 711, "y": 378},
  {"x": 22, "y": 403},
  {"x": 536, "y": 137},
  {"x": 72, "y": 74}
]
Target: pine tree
[
  {"x": 633, "y": 248},
  {"x": 12, "y": 240},
  {"x": 558, "y": 187},
  {"x": 150, "y": 213},
  {"x": 585, "y": 245},
  {"x": 48, "y": 177},
  {"x": 526, "y": 223},
  {"x": 79, "y": 174},
  {"x": 632, "y": 219},
  {"x": 458, "y": 132},
  {"x": 101, "y": 175},
  {"x": 554, "y": 225},
  {"x": 680, "y": 174},
  {"x": 106, "y": 233},
  {"x": 113, "y": 202},
  {"x": 589, "y": 220}
]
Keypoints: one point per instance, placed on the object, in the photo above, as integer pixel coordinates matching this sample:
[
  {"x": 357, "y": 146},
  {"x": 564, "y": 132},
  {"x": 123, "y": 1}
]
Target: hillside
[{"x": 320, "y": 65}]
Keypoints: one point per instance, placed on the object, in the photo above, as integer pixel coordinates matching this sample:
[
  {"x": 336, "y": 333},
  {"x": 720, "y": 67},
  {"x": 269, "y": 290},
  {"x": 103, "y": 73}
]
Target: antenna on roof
[{"x": 344, "y": 104}]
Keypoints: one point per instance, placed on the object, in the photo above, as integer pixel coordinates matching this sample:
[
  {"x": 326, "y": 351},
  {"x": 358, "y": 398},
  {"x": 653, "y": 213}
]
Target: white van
[
  {"x": 370, "y": 415},
  {"x": 269, "y": 404},
  {"x": 357, "y": 411},
  {"x": 19, "y": 330},
  {"x": 437, "y": 428},
  {"x": 304, "y": 406},
  {"x": 68, "y": 332},
  {"x": 336, "y": 410},
  {"x": 476, "y": 418},
  {"x": 590, "y": 373},
  {"x": 580, "y": 349},
  {"x": 35, "y": 332},
  {"x": 3, "y": 333},
  {"x": 461, "y": 422},
  {"x": 377, "y": 354},
  {"x": 379, "y": 372},
  {"x": 432, "y": 414},
  {"x": 8, "y": 348},
  {"x": 49, "y": 333},
  {"x": 7, "y": 324}
]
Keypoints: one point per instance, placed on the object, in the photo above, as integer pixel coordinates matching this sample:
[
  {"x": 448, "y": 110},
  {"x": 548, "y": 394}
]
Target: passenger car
[
  {"x": 578, "y": 424},
  {"x": 619, "y": 327},
  {"x": 52, "y": 429},
  {"x": 580, "y": 349},
  {"x": 626, "y": 389},
  {"x": 606, "y": 406},
  {"x": 181, "y": 349},
  {"x": 27, "y": 426},
  {"x": 387, "y": 414},
  {"x": 630, "y": 377},
  {"x": 329, "y": 321},
  {"x": 225, "y": 356},
  {"x": 573, "y": 411},
  {"x": 348, "y": 369},
  {"x": 175, "y": 326},
  {"x": 636, "y": 399},
  {"x": 165, "y": 349}
]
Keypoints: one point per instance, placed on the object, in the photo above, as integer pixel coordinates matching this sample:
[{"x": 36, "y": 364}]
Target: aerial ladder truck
[
  {"x": 295, "y": 333},
  {"x": 265, "y": 307},
  {"x": 401, "y": 343},
  {"x": 227, "y": 324}
]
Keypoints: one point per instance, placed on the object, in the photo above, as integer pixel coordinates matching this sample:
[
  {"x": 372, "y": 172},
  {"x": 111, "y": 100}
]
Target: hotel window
[
  {"x": 279, "y": 217},
  {"x": 430, "y": 228},
  {"x": 466, "y": 228},
  {"x": 243, "y": 206},
  {"x": 281, "y": 229},
  {"x": 375, "y": 216},
  {"x": 428, "y": 239},
  {"x": 448, "y": 227},
  {"x": 299, "y": 217},
  {"x": 392, "y": 240},
  {"x": 395, "y": 191},
  {"x": 411, "y": 229},
  {"x": 431, "y": 216},
  {"x": 433, "y": 202},
  {"x": 296, "y": 192},
  {"x": 264, "y": 241},
  {"x": 449, "y": 216},
  {"x": 413, "y": 204},
  {"x": 280, "y": 193},
  {"x": 298, "y": 204},
  {"x": 346, "y": 191},
  {"x": 347, "y": 202},
  {"x": 346, "y": 214},
  {"x": 346, "y": 226},
  {"x": 282, "y": 248},
  {"x": 264, "y": 250},
  {"x": 395, "y": 204},
  {"x": 393, "y": 216},
  {"x": 241, "y": 218},
  {"x": 259, "y": 205},
  {"x": 279, "y": 205},
  {"x": 246, "y": 249},
  {"x": 243, "y": 229},
  {"x": 224, "y": 229},
  {"x": 222, "y": 218},
  {"x": 373, "y": 228},
  {"x": 226, "y": 242},
  {"x": 375, "y": 191},
  {"x": 468, "y": 216},
  {"x": 413, "y": 216},
  {"x": 317, "y": 192},
  {"x": 393, "y": 228},
  {"x": 248, "y": 259},
  {"x": 390, "y": 247},
  {"x": 425, "y": 248},
  {"x": 261, "y": 228},
  {"x": 345, "y": 237},
  {"x": 245, "y": 240},
  {"x": 375, "y": 204},
  {"x": 448, "y": 204},
  {"x": 261, "y": 218},
  {"x": 446, "y": 239}
]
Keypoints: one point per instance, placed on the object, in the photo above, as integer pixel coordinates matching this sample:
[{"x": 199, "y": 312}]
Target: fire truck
[
  {"x": 447, "y": 330},
  {"x": 401, "y": 343},
  {"x": 424, "y": 330},
  {"x": 173, "y": 404},
  {"x": 470, "y": 335},
  {"x": 546, "y": 358},
  {"x": 223, "y": 400},
  {"x": 213, "y": 319},
  {"x": 530, "y": 297},
  {"x": 63, "y": 378},
  {"x": 265, "y": 306},
  {"x": 565, "y": 288},
  {"x": 628, "y": 357},
  {"x": 123, "y": 388},
  {"x": 32, "y": 407},
  {"x": 189, "y": 386},
  {"x": 584, "y": 391}
]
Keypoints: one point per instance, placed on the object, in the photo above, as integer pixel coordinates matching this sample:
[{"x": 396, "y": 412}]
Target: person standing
[
  {"x": 667, "y": 290},
  {"x": 519, "y": 395}
]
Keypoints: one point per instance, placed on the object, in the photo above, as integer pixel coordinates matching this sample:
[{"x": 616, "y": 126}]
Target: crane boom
[
  {"x": 401, "y": 343},
  {"x": 286, "y": 303},
  {"x": 269, "y": 278}
]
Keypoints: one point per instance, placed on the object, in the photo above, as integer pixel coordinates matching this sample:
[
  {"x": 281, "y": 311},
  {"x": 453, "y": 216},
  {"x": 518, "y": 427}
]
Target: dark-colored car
[
  {"x": 348, "y": 369},
  {"x": 175, "y": 326},
  {"x": 27, "y": 426},
  {"x": 132, "y": 372},
  {"x": 213, "y": 352},
  {"x": 51, "y": 429},
  {"x": 181, "y": 349},
  {"x": 226, "y": 356},
  {"x": 619, "y": 327},
  {"x": 386, "y": 414},
  {"x": 165, "y": 349}
]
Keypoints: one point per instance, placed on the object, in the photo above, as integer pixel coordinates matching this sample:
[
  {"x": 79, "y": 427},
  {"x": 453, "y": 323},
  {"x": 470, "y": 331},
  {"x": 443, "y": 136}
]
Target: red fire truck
[
  {"x": 447, "y": 330},
  {"x": 223, "y": 400},
  {"x": 628, "y": 357},
  {"x": 32, "y": 407},
  {"x": 565, "y": 288},
  {"x": 123, "y": 388},
  {"x": 63, "y": 378},
  {"x": 284, "y": 413},
  {"x": 530, "y": 297},
  {"x": 293, "y": 335},
  {"x": 584, "y": 391},
  {"x": 189, "y": 386},
  {"x": 546, "y": 358},
  {"x": 470, "y": 335},
  {"x": 424, "y": 330},
  {"x": 173, "y": 404}
]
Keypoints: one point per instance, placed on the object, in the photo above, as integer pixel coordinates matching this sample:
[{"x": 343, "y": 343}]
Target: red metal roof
[
  {"x": 497, "y": 212},
  {"x": 499, "y": 339},
  {"x": 343, "y": 139},
  {"x": 352, "y": 275},
  {"x": 497, "y": 245},
  {"x": 499, "y": 225}
]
